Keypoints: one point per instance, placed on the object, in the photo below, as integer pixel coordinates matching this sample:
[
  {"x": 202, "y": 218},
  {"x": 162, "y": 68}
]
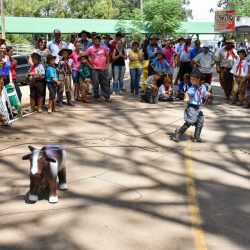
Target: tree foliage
[{"x": 242, "y": 7}]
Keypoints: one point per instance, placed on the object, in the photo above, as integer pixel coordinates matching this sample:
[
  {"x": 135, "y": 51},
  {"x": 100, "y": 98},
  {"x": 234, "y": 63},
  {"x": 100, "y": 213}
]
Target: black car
[{"x": 22, "y": 67}]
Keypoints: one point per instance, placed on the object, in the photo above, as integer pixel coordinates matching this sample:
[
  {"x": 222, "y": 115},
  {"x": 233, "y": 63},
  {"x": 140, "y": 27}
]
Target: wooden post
[{"x": 2, "y": 20}]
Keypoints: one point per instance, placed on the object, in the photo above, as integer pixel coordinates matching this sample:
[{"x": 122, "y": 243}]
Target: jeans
[
  {"x": 119, "y": 72},
  {"x": 135, "y": 75}
]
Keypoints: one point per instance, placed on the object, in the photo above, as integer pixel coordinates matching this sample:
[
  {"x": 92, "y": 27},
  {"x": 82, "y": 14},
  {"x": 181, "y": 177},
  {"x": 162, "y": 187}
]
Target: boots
[
  {"x": 181, "y": 131},
  {"x": 68, "y": 95},
  {"x": 197, "y": 134},
  {"x": 85, "y": 97},
  {"x": 50, "y": 106},
  {"x": 32, "y": 104},
  {"x": 60, "y": 98},
  {"x": 40, "y": 104}
]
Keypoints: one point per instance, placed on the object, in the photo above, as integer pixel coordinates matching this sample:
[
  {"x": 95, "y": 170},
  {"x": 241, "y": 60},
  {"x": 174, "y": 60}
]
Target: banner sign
[{"x": 224, "y": 20}]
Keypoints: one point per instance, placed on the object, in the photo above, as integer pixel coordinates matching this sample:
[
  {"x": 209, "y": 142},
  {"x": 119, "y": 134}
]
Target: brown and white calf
[{"x": 45, "y": 165}]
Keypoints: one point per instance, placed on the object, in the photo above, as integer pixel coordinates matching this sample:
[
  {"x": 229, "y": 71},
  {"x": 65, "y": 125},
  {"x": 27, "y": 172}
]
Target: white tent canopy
[{"x": 242, "y": 24}]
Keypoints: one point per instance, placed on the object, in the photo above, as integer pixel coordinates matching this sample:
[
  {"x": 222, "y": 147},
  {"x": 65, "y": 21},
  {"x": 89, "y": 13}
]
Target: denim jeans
[
  {"x": 119, "y": 72},
  {"x": 135, "y": 75}
]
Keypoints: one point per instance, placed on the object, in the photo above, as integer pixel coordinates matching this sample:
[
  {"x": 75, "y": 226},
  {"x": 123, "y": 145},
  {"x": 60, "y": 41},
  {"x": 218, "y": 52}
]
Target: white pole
[
  {"x": 141, "y": 5},
  {"x": 2, "y": 19}
]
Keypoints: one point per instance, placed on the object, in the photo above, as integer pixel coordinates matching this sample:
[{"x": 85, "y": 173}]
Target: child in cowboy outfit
[
  {"x": 35, "y": 77},
  {"x": 52, "y": 82},
  {"x": 84, "y": 71},
  {"x": 65, "y": 70},
  {"x": 193, "y": 116},
  {"x": 240, "y": 73}
]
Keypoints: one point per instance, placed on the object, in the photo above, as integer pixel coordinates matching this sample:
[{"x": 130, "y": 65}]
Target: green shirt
[{"x": 84, "y": 71}]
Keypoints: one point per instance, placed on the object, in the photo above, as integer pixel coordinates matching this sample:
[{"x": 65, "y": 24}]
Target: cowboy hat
[
  {"x": 230, "y": 41},
  {"x": 153, "y": 37},
  {"x": 36, "y": 55},
  {"x": 196, "y": 73},
  {"x": 50, "y": 57},
  {"x": 242, "y": 50},
  {"x": 84, "y": 32},
  {"x": 67, "y": 50},
  {"x": 107, "y": 36},
  {"x": 206, "y": 45},
  {"x": 118, "y": 34}
]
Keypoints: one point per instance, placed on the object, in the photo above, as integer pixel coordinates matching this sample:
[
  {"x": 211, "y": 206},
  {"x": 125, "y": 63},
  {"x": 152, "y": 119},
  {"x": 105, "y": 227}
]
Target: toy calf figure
[{"x": 45, "y": 165}]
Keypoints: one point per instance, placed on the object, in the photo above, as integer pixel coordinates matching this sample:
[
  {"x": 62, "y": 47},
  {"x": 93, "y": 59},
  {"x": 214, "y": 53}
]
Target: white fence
[{"x": 22, "y": 49}]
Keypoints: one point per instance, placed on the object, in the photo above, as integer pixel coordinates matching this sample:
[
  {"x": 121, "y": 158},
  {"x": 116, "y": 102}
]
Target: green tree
[
  {"x": 242, "y": 7},
  {"x": 164, "y": 16}
]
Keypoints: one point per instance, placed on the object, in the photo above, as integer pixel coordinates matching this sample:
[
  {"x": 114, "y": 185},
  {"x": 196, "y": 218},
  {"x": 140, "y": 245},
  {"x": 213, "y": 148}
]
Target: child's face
[
  {"x": 241, "y": 55},
  {"x": 157, "y": 77},
  {"x": 186, "y": 80},
  {"x": 35, "y": 60},
  {"x": 65, "y": 55},
  {"x": 83, "y": 60},
  {"x": 52, "y": 62},
  {"x": 195, "y": 80},
  {"x": 159, "y": 56}
]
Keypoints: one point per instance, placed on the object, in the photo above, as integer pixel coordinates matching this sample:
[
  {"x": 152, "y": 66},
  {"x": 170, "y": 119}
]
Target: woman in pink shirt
[
  {"x": 169, "y": 54},
  {"x": 75, "y": 71}
]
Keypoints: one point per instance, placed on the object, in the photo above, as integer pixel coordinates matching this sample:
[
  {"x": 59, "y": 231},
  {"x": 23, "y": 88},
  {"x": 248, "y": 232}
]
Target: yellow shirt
[{"x": 135, "y": 62}]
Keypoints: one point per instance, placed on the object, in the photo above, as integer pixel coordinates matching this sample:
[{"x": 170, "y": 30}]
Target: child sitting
[
  {"x": 160, "y": 66},
  {"x": 151, "y": 90},
  {"x": 65, "y": 68},
  {"x": 165, "y": 93},
  {"x": 52, "y": 82},
  {"x": 84, "y": 71},
  {"x": 184, "y": 86}
]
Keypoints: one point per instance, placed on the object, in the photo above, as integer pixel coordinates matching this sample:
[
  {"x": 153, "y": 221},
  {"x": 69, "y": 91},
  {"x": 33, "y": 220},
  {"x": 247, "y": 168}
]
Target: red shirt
[{"x": 13, "y": 68}]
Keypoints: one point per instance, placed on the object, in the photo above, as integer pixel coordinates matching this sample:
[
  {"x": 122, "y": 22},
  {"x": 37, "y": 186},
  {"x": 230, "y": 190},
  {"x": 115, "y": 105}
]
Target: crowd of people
[{"x": 94, "y": 65}]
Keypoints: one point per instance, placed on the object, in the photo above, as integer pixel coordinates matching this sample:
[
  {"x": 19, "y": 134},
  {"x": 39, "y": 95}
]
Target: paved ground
[{"x": 132, "y": 191}]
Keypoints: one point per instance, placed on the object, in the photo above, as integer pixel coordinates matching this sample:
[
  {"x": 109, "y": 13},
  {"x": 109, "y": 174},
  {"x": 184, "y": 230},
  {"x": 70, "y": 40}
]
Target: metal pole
[{"x": 2, "y": 20}]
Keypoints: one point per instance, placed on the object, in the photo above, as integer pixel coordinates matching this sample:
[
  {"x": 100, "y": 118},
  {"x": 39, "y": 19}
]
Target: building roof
[{"x": 33, "y": 25}]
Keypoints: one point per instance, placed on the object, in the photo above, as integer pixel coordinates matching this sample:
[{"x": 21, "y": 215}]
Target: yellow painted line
[{"x": 194, "y": 210}]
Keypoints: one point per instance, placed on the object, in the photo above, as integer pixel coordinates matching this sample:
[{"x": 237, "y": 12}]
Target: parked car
[{"x": 22, "y": 67}]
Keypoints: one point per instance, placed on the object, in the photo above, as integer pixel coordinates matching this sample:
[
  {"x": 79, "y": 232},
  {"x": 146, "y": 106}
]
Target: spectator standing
[
  {"x": 99, "y": 59},
  {"x": 119, "y": 56},
  {"x": 13, "y": 63},
  {"x": 5, "y": 65},
  {"x": 75, "y": 70},
  {"x": 84, "y": 35},
  {"x": 56, "y": 45},
  {"x": 177, "y": 64},
  {"x": 73, "y": 38},
  {"x": 169, "y": 54},
  {"x": 135, "y": 67},
  {"x": 184, "y": 57},
  {"x": 151, "y": 49},
  {"x": 196, "y": 50},
  {"x": 224, "y": 63},
  {"x": 205, "y": 62}
]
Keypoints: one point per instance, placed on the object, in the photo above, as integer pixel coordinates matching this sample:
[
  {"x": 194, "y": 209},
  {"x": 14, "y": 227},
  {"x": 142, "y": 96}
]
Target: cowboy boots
[
  {"x": 32, "y": 104},
  {"x": 197, "y": 134},
  {"x": 40, "y": 104},
  {"x": 181, "y": 131},
  {"x": 68, "y": 96}
]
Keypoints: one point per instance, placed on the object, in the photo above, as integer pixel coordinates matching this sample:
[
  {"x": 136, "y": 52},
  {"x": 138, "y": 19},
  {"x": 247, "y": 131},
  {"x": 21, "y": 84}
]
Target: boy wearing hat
[
  {"x": 51, "y": 81},
  {"x": 224, "y": 63},
  {"x": 84, "y": 72},
  {"x": 35, "y": 75},
  {"x": 193, "y": 116},
  {"x": 65, "y": 66},
  {"x": 240, "y": 73}
]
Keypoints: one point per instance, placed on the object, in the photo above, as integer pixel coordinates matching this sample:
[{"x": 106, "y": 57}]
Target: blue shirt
[
  {"x": 51, "y": 73},
  {"x": 194, "y": 53},
  {"x": 160, "y": 67},
  {"x": 197, "y": 94},
  {"x": 184, "y": 87},
  {"x": 6, "y": 67},
  {"x": 152, "y": 49}
]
